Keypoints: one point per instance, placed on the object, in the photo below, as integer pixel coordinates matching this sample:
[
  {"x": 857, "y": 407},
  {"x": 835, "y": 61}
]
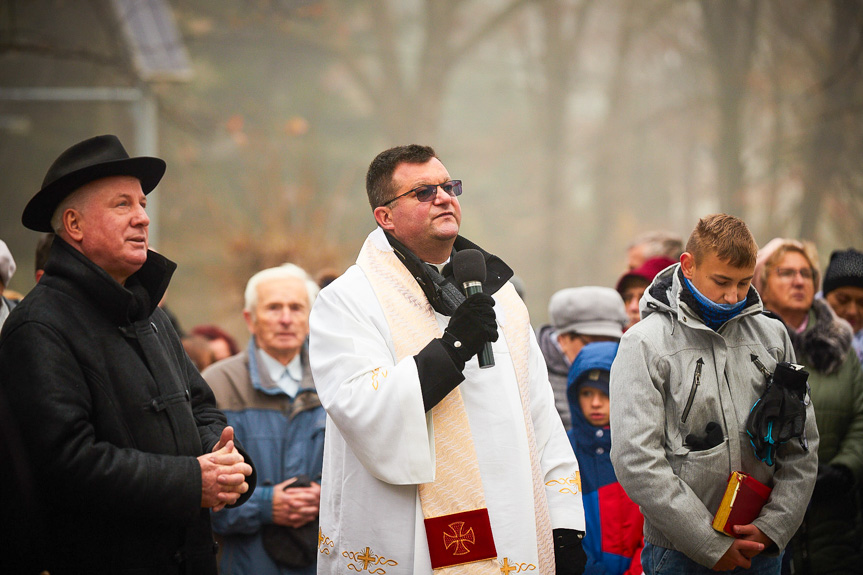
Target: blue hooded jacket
[{"x": 613, "y": 539}]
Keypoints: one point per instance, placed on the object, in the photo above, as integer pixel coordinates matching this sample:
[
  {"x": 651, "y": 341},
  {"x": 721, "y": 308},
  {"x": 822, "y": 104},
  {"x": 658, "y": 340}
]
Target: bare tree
[
  {"x": 402, "y": 62},
  {"x": 563, "y": 25},
  {"x": 816, "y": 78},
  {"x": 612, "y": 133},
  {"x": 730, "y": 31},
  {"x": 836, "y": 129}
]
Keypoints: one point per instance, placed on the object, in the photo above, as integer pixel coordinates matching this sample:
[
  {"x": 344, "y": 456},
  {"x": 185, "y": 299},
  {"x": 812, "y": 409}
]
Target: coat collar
[
  {"x": 826, "y": 340},
  {"x": 307, "y": 396},
  {"x": 667, "y": 293},
  {"x": 72, "y": 272}
]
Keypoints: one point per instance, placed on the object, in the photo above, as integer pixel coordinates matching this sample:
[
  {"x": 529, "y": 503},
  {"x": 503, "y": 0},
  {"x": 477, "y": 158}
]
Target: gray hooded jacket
[{"x": 672, "y": 376}]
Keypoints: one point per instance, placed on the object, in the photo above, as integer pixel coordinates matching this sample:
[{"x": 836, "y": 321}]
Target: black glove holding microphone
[
  {"x": 441, "y": 362},
  {"x": 470, "y": 327}
]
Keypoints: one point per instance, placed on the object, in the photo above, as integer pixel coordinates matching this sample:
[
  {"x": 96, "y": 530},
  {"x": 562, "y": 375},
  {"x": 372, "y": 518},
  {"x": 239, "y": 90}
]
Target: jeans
[{"x": 662, "y": 561}]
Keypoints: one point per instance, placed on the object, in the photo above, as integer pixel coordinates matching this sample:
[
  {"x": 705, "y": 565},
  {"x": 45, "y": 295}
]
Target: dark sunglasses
[{"x": 428, "y": 192}]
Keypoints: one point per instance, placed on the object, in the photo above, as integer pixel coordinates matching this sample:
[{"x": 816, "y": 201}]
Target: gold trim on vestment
[{"x": 457, "y": 486}]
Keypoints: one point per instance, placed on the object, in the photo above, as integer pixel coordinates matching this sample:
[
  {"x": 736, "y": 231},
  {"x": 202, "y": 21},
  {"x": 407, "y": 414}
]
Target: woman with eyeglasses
[{"x": 787, "y": 278}]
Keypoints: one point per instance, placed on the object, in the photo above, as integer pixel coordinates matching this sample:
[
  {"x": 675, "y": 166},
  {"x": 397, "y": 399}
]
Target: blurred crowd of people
[
  {"x": 822, "y": 312},
  {"x": 807, "y": 314},
  {"x": 824, "y": 321}
]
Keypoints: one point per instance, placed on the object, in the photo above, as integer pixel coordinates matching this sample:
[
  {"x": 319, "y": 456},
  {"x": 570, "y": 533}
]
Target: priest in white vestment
[{"x": 431, "y": 462}]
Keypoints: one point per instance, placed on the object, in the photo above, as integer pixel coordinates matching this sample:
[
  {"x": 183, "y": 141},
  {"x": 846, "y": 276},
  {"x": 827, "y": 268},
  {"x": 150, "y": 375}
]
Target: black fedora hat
[{"x": 86, "y": 161}]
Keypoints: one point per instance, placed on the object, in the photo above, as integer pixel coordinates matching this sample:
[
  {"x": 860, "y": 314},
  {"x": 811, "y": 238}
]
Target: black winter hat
[
  {"x": 845, "y": 269},
  {"x": 92, "y": 159}
]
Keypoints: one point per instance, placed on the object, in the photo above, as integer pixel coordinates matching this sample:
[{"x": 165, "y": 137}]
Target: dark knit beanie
[{"x": 845, "y": 269}]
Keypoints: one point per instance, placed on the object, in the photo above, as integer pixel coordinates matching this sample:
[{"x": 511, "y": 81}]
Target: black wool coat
[{"x": 109, "y": 417}]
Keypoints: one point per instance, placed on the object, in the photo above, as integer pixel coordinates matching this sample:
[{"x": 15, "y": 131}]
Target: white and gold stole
[{"x": 457, "y": 487}]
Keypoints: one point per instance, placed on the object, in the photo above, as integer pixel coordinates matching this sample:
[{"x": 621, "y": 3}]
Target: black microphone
[{"x": 468, "y": 268}]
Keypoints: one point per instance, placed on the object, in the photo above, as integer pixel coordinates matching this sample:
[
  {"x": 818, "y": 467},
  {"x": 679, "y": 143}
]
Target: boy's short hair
[{"x": 726, "y": 236}]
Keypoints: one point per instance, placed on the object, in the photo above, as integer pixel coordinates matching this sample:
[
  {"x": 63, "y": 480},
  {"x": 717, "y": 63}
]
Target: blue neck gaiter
[{"x": 714, "y": 314}]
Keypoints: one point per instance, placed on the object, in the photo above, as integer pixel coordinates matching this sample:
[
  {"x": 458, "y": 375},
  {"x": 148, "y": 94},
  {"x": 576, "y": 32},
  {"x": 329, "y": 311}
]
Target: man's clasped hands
[{"x": 223, "y": 473}]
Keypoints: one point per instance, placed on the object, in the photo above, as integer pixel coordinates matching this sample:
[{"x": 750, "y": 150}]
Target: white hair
[
  {"x": 284, "y": 271},
  {"x": 73, "y": 200}
]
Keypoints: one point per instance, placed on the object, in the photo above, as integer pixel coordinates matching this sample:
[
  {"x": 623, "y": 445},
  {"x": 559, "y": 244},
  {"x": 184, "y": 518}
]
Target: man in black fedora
[{"x": 121, "y": 439}]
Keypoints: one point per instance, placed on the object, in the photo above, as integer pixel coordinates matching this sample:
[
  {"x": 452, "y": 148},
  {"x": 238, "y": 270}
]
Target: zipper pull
[
  {"x": 696, "y": 381},
  {"x": 760, "y": 366}
]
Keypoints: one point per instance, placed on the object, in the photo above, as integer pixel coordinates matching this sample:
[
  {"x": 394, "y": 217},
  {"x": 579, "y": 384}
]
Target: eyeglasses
[
  {"x": 428, "y": 192},
  {"x": 788, "y": 274}
]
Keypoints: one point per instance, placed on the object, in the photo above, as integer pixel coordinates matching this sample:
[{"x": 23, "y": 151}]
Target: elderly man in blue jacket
[{"x": 269, "y": 397}]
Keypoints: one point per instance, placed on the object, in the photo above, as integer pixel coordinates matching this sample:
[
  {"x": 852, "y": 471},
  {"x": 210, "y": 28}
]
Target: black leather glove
[
  {"x": 712, "y": 437},
  {"x": 569, "y": 555},
  {"x": 832, "y": 481},
  {"x": 471, "y": 326},
  {"x": 779, "y": 414},
  {"x": 792, "y": 377}
]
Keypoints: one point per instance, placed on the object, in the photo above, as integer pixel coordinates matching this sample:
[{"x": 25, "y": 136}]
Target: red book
[{"x": 744, "y": 497}]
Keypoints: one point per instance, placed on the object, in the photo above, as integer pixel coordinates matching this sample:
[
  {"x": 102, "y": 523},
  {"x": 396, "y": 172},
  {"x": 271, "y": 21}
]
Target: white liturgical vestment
[{"x": 379, "y": 441}]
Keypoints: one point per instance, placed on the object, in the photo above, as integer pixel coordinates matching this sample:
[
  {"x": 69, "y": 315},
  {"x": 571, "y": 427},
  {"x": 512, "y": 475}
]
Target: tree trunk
[
  {"x": 729, "y": 27},
  {"x": 824, "y": 164}
]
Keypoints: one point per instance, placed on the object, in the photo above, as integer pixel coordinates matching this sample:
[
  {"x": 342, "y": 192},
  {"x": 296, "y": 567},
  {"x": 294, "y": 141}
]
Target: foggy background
[{"x": 574, "y": 124}]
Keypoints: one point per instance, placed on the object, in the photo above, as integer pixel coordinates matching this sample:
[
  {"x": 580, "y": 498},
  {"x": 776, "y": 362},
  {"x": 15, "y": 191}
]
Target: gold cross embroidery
[
  {"x": 458, "y": 537},
  {"x": 366, "y": 558},
  {"x": 506, "y": 567}
]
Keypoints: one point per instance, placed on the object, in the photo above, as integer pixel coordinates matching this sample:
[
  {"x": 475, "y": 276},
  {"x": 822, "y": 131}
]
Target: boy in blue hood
[{"x": 613, "y": 538}]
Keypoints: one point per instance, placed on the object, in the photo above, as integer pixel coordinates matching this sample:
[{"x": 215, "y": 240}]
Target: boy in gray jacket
[{"x": 682, "y": 386}]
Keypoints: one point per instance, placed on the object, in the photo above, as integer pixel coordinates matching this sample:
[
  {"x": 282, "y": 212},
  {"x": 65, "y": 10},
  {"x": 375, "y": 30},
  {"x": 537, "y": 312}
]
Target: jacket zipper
[
  {"x": 760, "y": 366},
  {"x": 696, "y": 381}
]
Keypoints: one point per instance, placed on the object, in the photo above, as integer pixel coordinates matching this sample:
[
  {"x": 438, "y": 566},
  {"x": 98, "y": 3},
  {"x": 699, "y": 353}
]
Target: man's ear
[
  {"x": 687, "y": 264},
  {"x": 250, "y": 321},
  {"x": 384, "y": 218},
  {"x": 72, "y": 224}
]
